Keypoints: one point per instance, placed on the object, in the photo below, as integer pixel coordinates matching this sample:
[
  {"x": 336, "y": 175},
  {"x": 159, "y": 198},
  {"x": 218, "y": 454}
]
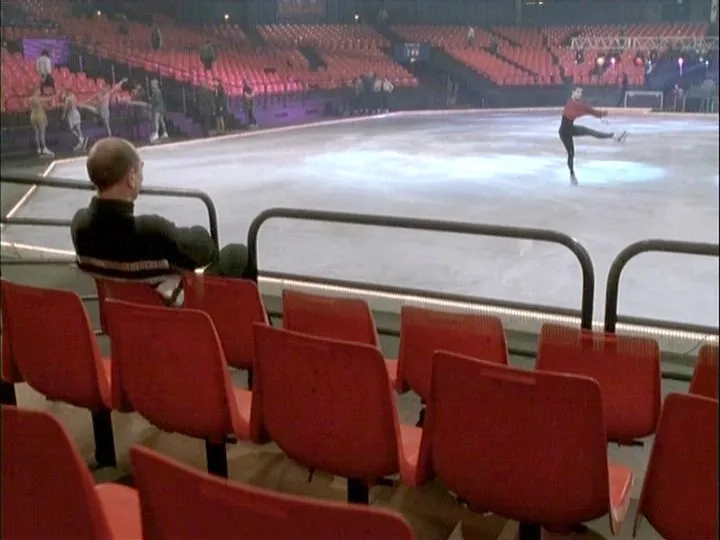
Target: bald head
[{"x": 111, "y": 161}]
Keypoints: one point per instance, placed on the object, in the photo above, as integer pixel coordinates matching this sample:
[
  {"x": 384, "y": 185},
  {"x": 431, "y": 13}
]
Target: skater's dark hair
[{"x": 44, "y": 52}]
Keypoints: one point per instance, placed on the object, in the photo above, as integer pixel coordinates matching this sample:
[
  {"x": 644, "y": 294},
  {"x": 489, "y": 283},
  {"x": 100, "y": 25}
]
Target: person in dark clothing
[
  {"x": 111, "y": 241},
  {"x": 220, "y": 106},
  {"x": 573, "y": 110}
]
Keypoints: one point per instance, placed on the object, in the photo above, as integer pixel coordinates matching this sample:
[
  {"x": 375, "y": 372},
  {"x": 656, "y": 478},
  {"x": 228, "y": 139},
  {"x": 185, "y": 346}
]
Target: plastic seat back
[
  {"x": 422, "y": 332},
  {"x": 168, "y": 365},
  {"x": 527, "y": 445},
  {"x": 346, "y": 319},
  {"x": 47, "y": 490},
  {"x": 627, "y": 368},
  {"x": 214, "y": 508},
  {"x": 705, "y": 377},
  {"x": 680, "y": 492},
  {"x": 234, "y": 305},
  {"x": 137, "y": 292},
  {"x": 53, "y": 346},
  {"x": 328, "y": 404}
]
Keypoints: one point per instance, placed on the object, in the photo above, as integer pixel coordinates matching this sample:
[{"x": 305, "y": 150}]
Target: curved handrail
[
  {"x": 632, "y": 251},
  {"x": 31, "y": 180},
  {"x": 542, "y": 235}
]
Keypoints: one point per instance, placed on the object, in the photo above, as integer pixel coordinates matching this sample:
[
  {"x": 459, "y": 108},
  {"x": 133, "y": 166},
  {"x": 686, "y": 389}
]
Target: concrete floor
[
  {"x": 488, "y": 167},
  {"x": 491, "y": 168}
]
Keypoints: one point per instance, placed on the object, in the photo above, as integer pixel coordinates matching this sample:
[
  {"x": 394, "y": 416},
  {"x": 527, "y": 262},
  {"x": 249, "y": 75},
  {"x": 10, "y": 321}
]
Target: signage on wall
[{"x": 59, "y": 49}]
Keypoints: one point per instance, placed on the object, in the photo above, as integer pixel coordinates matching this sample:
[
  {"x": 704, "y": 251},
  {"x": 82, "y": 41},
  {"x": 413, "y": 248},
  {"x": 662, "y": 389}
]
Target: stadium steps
[
  {"x": 253, "y": 35},
  {"x": 475, "y": 84},
  {"x": 313, "y": 57}
]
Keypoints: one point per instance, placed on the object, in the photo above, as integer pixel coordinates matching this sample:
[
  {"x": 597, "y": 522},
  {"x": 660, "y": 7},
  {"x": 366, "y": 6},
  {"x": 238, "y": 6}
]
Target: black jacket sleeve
[{"x": 187, "y": 247}]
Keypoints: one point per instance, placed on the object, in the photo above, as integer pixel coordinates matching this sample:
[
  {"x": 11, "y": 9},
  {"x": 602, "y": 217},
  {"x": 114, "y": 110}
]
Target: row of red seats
[
  {"x": 44, "y": 474},
  {"x": 616, "y": 396}
]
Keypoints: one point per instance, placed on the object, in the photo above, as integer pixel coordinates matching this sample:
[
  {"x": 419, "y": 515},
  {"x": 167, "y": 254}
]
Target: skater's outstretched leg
[{"x": 582, "y": 131}]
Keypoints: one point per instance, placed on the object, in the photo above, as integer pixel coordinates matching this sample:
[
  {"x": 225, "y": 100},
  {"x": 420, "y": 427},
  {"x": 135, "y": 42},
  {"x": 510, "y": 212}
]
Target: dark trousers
[
  {"x": 232, "y": 261},
  {"x": 47, "y": 82},
  {"x": 568, "y": 130}
]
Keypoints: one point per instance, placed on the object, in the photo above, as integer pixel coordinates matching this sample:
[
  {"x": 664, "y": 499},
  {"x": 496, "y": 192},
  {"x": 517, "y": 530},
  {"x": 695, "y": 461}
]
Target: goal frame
[{"x": 649, "y": 93}]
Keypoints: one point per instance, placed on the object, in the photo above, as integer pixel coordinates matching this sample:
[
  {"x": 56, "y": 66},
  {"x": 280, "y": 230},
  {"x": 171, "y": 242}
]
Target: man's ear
[{"x": 130, "y": 179}]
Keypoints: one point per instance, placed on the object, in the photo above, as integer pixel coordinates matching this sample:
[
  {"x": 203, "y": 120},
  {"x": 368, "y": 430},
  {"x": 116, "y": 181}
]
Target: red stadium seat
[
  {"x": 213, "y": 508},
  {"x": 169, "y": 366},
  {"x": 526, "y": 445},
  {"x": 234, "y": 305},
  {"x": 358, "y": 435},
  {"x": 705, "y": 376},
  {"x": 626, "y": 368},
  {"x": 680, "y": 493},
  {"x": 423, "y": 332},
  {"x": 346, "y": 319},
  {"x": 51, "y": 345},
  {"x": 47, "y": 490}
]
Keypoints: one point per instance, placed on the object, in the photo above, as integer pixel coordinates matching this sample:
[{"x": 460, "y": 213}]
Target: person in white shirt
[
  {"x": 471, "y": 36},
  {"x": 44, "y": 69},
  {"x": 387, "y": 88}
]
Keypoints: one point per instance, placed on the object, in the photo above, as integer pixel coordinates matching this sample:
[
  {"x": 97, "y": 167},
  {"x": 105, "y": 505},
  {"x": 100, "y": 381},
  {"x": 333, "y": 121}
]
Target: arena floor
[{"x": 491, "y": 167}]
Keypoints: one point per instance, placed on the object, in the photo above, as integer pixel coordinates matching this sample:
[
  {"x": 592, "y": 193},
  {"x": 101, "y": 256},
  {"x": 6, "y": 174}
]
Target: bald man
[{"x": 111, "y": 241}]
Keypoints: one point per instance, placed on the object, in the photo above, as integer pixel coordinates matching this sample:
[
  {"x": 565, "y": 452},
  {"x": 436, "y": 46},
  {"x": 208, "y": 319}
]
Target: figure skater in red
[{"x": 573, "y": 110}]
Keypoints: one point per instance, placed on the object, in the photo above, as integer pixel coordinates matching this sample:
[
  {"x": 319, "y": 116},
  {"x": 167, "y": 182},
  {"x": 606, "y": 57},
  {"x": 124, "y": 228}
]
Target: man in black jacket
[{"x": 111, "y": 241}]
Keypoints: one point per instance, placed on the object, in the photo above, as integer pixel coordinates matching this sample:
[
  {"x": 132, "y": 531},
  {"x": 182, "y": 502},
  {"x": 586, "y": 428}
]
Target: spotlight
[
  {"x": 613, "y": 60},
  {"x": 227, "y": 17},
  {"x": 357, "y": 17},
  {"x": 600, "y": 61},
  {"x": 681, "y": 61},
  {"x": 99, "y": 13},
  {"x": 707, "y": 62}
]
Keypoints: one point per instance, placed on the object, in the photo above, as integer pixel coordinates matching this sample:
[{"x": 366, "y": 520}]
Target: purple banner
[{"x": 59, "y": 49}]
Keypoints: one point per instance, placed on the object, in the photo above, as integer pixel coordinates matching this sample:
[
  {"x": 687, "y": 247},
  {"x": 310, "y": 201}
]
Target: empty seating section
[
  {"x": 333, "y": 36},
  {"x": 539, "y": 431},
  {"x": 541, "y": 56}
]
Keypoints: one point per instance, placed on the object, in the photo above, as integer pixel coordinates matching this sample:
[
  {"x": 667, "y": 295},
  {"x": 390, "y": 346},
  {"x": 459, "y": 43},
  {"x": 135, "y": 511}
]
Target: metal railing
[
  {"x": 587, "y": 270},
  {"x": 649, "y": 246},
  {"x": 33, "y": 180},
  {"x": 541, "y": 235}
]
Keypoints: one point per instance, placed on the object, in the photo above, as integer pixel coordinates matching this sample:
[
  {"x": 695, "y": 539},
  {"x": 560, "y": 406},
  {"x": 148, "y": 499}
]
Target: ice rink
[{"x": 488, "y": 167}]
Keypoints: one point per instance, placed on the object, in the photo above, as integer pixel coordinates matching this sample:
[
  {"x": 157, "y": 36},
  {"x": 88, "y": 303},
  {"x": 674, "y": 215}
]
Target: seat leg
[
  {"x": 216, "y": 456},
  {"x": 528, "y": 531},
  {"x": 104, "y": 439},
  {"x": 421, "y": 418},
  {"x": 7, "y": 392},
  {"x": 357, "y": 492}
]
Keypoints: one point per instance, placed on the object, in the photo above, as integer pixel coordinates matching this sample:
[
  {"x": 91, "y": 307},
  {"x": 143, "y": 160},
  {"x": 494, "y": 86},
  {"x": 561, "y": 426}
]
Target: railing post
[
  {"x": 632, "y": 251},
  {"x": 112, "y": 72},
  {"x": 81, "y": 62}
]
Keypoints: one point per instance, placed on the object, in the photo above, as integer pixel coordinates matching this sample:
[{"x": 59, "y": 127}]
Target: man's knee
[{"x": 232, "y": 261}]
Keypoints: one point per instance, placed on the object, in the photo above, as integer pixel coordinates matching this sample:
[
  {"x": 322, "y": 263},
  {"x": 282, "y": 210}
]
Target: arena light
[
  {"x": 600, "y": 61},
  {"x": 681, "y": 61},
  {"x": 613, "y": 60},
  {"x": 227, "y": 17}
]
